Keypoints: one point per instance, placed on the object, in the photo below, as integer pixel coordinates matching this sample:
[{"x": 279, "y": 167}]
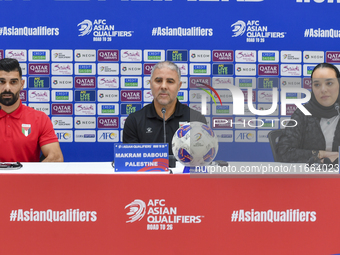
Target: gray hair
[{"x": 167, "y": 64}]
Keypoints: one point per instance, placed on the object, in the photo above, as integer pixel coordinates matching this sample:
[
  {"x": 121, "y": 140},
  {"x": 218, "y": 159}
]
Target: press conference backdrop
[{"x": 87, "y": 62}]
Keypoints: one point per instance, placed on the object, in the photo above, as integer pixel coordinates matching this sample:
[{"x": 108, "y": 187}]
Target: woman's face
[{"x": 325, "y": 86}]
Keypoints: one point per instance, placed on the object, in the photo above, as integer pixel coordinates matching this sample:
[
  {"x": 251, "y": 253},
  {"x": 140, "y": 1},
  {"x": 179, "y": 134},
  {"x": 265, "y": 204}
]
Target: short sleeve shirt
[{"x": 22, "y": 134}]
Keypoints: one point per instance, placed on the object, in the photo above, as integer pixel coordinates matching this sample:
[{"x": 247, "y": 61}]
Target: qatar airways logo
[{"x": 239, "y": 99}]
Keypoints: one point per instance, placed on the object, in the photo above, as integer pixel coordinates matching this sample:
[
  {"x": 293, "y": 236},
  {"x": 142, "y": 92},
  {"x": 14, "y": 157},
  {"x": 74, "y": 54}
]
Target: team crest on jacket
[{"x": 26, "y": 129}]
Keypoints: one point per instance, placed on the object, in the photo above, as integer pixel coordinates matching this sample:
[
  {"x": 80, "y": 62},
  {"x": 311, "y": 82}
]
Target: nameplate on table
[{"x": 141, "y": 157}]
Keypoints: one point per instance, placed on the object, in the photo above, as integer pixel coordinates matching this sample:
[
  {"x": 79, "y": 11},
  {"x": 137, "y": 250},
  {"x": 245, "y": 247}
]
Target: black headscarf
[{"x": 314, "y": 107}]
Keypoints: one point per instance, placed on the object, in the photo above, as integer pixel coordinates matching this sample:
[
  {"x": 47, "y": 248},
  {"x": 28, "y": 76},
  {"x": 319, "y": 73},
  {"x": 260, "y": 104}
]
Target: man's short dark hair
[{"x": 9, "y": 65}]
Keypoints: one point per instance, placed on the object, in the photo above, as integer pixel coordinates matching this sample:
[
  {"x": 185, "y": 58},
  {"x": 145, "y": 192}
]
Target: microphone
[
  {"x": 337, "y": 107},
  {"x": 163, "y": 111}
]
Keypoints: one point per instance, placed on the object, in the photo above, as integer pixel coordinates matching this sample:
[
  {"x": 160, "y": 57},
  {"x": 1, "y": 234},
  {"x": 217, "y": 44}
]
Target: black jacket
[{"x": 298, "y": 143}]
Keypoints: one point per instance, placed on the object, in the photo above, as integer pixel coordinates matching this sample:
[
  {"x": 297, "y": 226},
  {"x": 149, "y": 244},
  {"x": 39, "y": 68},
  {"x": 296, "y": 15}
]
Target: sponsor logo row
[
  {"x": 136, "y": 82},
  {"x": 87, "y": 135},
  {"x": 45, "y": 55},
  {"x": 88, "y": 69}
]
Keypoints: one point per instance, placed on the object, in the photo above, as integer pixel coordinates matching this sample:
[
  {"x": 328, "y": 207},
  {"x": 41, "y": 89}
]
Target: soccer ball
[{"x": 195, "y": 144}]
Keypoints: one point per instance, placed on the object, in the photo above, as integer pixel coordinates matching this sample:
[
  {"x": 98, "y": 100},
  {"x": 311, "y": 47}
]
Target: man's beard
[{"x": 9, "y": 101}]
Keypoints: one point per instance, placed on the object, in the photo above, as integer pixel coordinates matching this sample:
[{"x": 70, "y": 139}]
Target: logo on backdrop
[
  {"x": 254, "y": 31},
  {"x": 137, "y": 210},
  {"x": 159, "y": 216},
  {"x": 101, "y": 31}
]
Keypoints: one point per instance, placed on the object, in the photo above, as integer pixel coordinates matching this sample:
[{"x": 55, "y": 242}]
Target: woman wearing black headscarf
[{"x": 317, "y": 135}]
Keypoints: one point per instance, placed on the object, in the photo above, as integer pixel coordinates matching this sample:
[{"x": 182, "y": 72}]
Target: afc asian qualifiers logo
[
  {"x": 137, "y": 210},
  {"x": 239, "y": 28},
  {"x": 85, "y": 27}
]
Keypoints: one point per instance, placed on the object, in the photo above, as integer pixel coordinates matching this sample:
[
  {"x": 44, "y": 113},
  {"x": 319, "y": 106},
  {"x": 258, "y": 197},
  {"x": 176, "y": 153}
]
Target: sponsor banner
[
  {"x": 222, "y": 122},
  {"x": 108, "y": 55},
  {"x": 154, "y": 55},
  {"x": 108, "y": 82},
  {"x": 107, "y": 122},
  {"x": 129, "y": 108},
  {"x": 177, "y": 55},
  {"x": 39, "y": 69},
  {"x": 62, "y": 122},
  {"x": 225, "y": 109},
  {"x": 122, "y": 122},
  {"x": 23, "y": 68},
  {"x": 84, "y": 82},
  {"x": 268, "y": 83},
  {"x": 245, "y": 69},
  {"x": 131, "y": 55},
  {"x": 41, "y": 107},
  {"x": 199, "y": 82},
  {"x": 131, "y": 82},
  {"x": 20, "y": 55},
  {"x": 39, "y": 55},
  {"x": 284, "y": 121},
  {"x": 85, "y": 69},
  {"x": 223, "y": 69},
  {"x": 308, "y": 69},
  {"x": 24, "y": 78},
  {"x": 245, "y": 55},
  {"x": 131, "y": 68},
  {"x": 108, "y": 69},
  {"x": 84, "y": 109},
  {"x": 62, "y": 95},
  {"x": 108, "y": 136},
  {"x": 84, "y": 122},
  {"x": 62, "y": 69},
  {"x": 130, "y": 95},
  {"x": 313, "y": 57},
  {"x": 245, "y": 82},
  {"x": 291, "y": 82},
  {"x": 108, "y": 95},
  {"x": 291, "y": 56},
  {"x": 241, "y": 122},
  {"x": 265, "y": 96},
  {"x": 198, "y": 107},
  {"x": 223, "y": 56},
  {"x": 262, "y": 136},
  {"x": 224, "y": 136},
  {"x": 23, "y": 95},
  {"x": 184, "y": 81},
  {"x": 290, "y": 109},
  {"x": 84, "y": 55},
  {"x": 1, "y": 54},
  {"x": 38, "y": 82},
  {"x": 307, "y": 83},
  {"x": 199, "y": 69},
  {"x": 182, "y": 95},
  {"x": 39, "y": 95},
  {"x": 62, "y": 82},
  {"x": 84, "y": 135},
  {"x": 291, "y": 70},
  {"x": 268, "y": 56},
  {"x": 200, "y": 55},
  {"x": 146, "y": 82},
  {"x": 222, "y": 82},
  {"x": 62, "y": 109},
  {"x": 264, "y": 107},
  {"x": 333, "y": 56},
  {"x": 147, "y": 96},
  {"x": 245, "y": 93},
  {"x": 269, "y": 70},
  {"x": 245, "y": 136},
  {"x": 147, "y": 68},
  {"x": 64, "y": 136},
  {"x": 62, "y": 55},
  {"x": 196, "y": 96},
  {"x": 84, "y": 95},
  {"x": 183, "y": 68},
  {"x": 108, "y": 109}
]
